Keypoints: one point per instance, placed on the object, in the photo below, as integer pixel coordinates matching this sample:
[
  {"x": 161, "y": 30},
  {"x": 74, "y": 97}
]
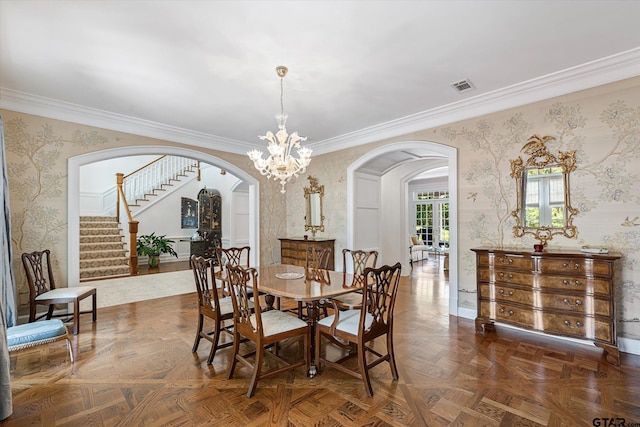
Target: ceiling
[{"x": 203, "y": 72}]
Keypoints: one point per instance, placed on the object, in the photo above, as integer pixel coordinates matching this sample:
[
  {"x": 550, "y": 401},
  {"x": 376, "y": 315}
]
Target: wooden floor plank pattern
[{"x": 135, "y": 368}]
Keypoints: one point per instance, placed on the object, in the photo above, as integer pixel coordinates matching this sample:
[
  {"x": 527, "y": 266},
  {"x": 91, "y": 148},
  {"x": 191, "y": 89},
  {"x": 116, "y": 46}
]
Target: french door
[{"x": 432, "y": 218}]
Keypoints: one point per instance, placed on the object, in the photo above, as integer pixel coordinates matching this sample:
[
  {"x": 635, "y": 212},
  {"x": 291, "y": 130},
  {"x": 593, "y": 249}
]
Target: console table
[
  {"x": 293, "y": 250},
  {"x": 564, "y": 293}
]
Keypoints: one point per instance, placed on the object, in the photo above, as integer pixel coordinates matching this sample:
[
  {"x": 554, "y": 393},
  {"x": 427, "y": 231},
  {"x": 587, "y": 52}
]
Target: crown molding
[
  {"x": 596, "y": 73},
  {"x": 592, "y": 74},
  {"x": 46, "y": 107}
]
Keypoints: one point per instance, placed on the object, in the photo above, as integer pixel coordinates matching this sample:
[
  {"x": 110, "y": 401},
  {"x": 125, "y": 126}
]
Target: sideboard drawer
[
  {"x": 578, "y": 326},
  {"x": 504, "y": 293},
  {"x": 507, "y": 313},
  {"x": 575, "y": 284},
  {"x": 580, "y": 304},
  {"x": 506, "y": 260},
  {"x": 576, "y": 266}
]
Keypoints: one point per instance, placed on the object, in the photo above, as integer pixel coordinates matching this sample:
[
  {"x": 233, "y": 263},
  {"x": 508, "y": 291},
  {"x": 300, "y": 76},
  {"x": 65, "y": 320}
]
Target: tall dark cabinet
[{"x": 209, "y": 224}]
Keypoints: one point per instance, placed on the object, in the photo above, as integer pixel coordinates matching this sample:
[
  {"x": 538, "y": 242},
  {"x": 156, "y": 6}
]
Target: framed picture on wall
[{"x": 189, "y": 213}]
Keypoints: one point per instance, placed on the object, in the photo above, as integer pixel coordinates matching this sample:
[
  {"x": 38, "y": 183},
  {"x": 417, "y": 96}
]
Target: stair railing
[
  {"x": 142, "y": 182},
  {"x": 133, "y": 225}
]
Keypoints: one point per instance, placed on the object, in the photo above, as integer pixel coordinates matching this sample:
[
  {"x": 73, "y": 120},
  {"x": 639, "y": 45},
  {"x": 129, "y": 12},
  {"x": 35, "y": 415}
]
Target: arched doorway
[
  {"x": 400, "y": 162},
  {"x": 73, "y": 189}
]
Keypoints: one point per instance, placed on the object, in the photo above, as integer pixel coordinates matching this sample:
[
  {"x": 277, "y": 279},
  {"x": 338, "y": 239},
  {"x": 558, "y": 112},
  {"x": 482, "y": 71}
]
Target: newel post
[
  {"x": 119, "y": 190},
  {"x": 133, "y": 248}
]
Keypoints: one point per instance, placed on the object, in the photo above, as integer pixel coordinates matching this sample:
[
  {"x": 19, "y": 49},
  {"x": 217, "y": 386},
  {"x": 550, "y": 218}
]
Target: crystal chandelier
[{"x": 280, "y": 164}]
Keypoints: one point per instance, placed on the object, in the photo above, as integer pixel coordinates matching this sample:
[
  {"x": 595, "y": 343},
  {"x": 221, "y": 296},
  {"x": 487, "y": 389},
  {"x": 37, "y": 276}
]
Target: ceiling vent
[{"x": 463, "y": 85}]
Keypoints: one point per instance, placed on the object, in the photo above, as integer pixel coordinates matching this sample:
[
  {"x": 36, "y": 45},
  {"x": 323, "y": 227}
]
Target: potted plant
[{"x": 152, "y": 246}]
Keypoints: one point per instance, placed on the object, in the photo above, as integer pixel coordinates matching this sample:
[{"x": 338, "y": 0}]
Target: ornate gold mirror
[
  {"x": 543, "y": 206},
  {"x": 313, "y": 219}
]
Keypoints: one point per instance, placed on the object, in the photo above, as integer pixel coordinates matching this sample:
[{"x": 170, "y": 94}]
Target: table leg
[{"x": 312, "y": 316}]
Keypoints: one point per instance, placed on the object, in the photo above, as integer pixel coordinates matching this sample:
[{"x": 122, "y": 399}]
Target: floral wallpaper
[
  {"x": 604, "y": 129},
  {"x": 37, "y": 153},
  {"x": 602, "y": 124}
]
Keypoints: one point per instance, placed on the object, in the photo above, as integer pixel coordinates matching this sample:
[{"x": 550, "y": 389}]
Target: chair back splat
[
  {"x": 357, "y": 261},
  {"x": 262, "y": 328},
  {"x": 43, "y": 291},
  {"x": 359, "y": 327},
  {"x": 235, "y": 256}
]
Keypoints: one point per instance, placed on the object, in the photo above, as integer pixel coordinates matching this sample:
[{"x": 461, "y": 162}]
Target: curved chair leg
[
  {"x": 392, "y": 357},
  {"x": 234, "y": 358},
  {"x": 256, "y": 372},
  {"x": 198, "y": 331},
  {"x": 214, "y": 345},
  {"x": 364, "y": 371}
]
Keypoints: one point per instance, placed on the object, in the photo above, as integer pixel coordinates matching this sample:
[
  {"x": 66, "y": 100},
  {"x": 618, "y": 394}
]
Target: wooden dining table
[{"x": 294, "y": 282}]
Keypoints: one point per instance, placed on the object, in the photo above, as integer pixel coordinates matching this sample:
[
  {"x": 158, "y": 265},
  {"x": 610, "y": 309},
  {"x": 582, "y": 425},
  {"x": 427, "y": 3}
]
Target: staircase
[
  {"x": 159, "y": 177},
  {"x": 102, "y": 251}
]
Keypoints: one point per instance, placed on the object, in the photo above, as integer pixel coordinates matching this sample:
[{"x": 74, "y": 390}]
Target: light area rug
[{"x": 139, "y": 288}]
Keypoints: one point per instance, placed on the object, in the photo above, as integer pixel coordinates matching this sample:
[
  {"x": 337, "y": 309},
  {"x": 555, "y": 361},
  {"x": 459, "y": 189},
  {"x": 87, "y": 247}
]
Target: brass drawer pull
[
  {"x": 568, "y": 324},
  {"x": 568, "y": 302},
  {"x": 568, "y": 282},
  {"x": 504, "y": 259},
  {"x": 510, "y": 293},
  {"x": 503, "y": 311},
  {"x": 509, "y": 276},
  {"x": 575, "y": 266}
]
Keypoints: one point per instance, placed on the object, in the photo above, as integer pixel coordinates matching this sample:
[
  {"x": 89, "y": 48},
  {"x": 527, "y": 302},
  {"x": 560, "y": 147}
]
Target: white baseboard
[
  {"x": 629, "y": 345},
  {"x": 467, "y": 313}
]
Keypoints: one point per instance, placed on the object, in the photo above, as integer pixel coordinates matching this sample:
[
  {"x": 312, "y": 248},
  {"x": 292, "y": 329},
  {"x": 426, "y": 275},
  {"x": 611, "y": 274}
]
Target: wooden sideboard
[
  {"x": 293, "y": 250},
  {"x": 568, "y": 293}
]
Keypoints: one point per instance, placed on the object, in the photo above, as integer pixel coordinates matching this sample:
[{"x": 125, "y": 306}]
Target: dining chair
[
  {"x": 262, "y": 328},
  {"x": 317, "y": 259},
  {"x": 43, "y": 291},
  {"x": 211, "y": 306},
  {"x": 359, "y": 327},
  {"x": 356, "y": 261},
  {"x": 234, "y": 256}
]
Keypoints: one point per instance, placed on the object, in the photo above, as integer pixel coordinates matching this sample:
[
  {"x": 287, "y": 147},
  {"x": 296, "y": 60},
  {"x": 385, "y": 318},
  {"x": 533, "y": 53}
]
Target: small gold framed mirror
[
  {"x": 543, "y": 205},
  {"x": 314, "y": 217}
]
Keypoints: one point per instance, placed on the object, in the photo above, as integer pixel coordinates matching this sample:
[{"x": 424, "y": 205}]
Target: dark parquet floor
[{"x": 135, "y": 368}]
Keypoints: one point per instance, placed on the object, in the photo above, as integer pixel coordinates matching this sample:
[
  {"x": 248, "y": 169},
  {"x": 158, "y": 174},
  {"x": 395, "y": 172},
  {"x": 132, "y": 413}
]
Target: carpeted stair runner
[{"x": 102, "y": 251}]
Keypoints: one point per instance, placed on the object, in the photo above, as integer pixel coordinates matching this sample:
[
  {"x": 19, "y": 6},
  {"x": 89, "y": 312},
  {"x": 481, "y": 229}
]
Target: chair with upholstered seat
[
  {"x": 317, "y": 260},
  {"x": 262, "y": 328},
  {"x": 356, "y": 261},
  {"x": 211, "y": 306},
  {"x": 43, "y": 291},
  {"x": 358, "y": 328},
  {"x": 236, "y": 256},
  {"x": 29, "y": 335}
]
